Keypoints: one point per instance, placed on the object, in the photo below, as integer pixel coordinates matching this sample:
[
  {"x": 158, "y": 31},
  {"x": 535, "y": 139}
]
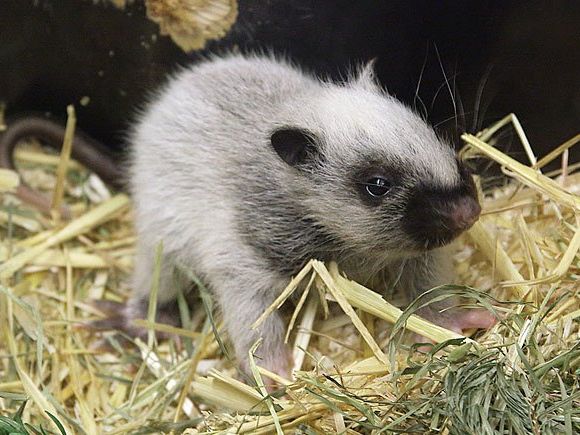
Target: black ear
[{"x": 293, "y": 145}]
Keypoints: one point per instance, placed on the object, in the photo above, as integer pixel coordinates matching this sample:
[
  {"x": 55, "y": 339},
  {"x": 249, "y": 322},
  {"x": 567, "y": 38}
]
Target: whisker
[
  {"x": 417, "y": 97},
  {"x": 449, "y": 118},
  {"x": 459, "y": 104},
  {"x": 446, "y": 80},
  {"x": 478, "y": 99},
  {"x": 439, "y": 88}
]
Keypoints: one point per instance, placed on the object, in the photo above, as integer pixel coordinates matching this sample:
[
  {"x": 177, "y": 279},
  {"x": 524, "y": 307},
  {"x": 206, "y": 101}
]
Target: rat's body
[{"x": 245, "y": 168}]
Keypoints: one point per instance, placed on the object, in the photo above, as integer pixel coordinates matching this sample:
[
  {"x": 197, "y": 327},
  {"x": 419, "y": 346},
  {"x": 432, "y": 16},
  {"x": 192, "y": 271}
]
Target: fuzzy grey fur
[{"x": 207, "y": 182}]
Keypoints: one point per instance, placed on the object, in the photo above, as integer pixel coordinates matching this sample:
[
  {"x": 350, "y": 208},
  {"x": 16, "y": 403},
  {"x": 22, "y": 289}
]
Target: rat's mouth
[{"x": 438, "y": 241}]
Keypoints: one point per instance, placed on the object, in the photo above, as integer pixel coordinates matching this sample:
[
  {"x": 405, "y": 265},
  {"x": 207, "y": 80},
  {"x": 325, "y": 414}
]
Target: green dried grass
[{"x": 354, "y": 371}]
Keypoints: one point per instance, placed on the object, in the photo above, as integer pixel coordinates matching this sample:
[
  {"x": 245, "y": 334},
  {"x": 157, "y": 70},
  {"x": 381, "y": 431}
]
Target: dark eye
[{"x": 377, "y": 187}]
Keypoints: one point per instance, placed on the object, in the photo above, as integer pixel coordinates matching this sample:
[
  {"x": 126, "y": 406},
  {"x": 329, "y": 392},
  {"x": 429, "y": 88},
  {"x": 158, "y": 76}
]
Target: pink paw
[
  {"x": 279, "y": 363},
  {"x": 460, "y": 320},
  {"x": 456, "y": 320}
]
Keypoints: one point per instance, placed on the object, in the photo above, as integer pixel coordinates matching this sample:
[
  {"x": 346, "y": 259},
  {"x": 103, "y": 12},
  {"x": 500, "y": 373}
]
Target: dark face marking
[
  {"x": 294, "y": 145},
  {"x": 280, "y": 230},
  {"x": 434, "y": 216}
]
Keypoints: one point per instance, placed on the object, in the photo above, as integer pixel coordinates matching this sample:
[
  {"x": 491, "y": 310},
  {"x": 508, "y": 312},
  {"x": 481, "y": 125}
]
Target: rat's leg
[
  {"x": 242, "y": 299},
  {"x": 171, "y": 281},
  {"x": 430, "y": 270}
]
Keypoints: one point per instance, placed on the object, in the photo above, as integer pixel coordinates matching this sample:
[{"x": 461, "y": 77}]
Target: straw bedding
[{"x": 355, "y": 370}]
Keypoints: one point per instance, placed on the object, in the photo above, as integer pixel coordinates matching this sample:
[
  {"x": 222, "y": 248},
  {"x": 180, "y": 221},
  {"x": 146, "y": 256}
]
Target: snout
[
  {"x": 433, "y": 218},
  {"x": 463, "y": 213}
]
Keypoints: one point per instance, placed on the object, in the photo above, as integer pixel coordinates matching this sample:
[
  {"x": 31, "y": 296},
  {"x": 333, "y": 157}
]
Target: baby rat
[{"x": 245, "y": 167}]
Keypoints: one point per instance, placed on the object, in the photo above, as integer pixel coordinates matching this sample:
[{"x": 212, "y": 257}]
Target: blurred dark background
[{"x": 463, "y": 63}]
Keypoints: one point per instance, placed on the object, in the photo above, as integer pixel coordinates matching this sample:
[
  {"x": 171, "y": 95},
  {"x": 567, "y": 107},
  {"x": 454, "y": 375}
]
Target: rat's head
[{"x": 373, "y": 174}]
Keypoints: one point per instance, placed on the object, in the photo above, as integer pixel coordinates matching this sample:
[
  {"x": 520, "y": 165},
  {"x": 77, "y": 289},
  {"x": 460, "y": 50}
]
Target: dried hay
[
  {"x": 355, "y": 374},
  {"x": 191, "y": 24}
]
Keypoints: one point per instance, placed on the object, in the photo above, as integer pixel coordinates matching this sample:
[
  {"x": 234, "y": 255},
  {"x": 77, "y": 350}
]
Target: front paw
[
  {"x": 462, "y": 319},
  {"x": 277, "y": 360},
  {"x": 458, "y": 319}
]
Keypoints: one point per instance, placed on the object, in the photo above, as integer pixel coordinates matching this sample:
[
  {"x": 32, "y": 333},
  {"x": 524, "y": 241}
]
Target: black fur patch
[
  {"x": 425, "y": 219},
  {"x": 280, "y": 231}
]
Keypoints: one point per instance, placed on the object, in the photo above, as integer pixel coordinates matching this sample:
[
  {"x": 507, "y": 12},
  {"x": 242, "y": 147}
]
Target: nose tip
[{"x": 465, "y": 213}]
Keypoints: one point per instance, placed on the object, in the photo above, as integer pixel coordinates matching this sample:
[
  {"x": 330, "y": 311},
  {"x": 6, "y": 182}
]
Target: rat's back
[
  {"x": 205, "y": 123},
  {"x": 206, "y": 108},
  {"x": 194, "y": 143}
]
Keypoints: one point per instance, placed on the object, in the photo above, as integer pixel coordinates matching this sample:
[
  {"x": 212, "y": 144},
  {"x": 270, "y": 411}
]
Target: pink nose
[{"x": 464, "y": 213}]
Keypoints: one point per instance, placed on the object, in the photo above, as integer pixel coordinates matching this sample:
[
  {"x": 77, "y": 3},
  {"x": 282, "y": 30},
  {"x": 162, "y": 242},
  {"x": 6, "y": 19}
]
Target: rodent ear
[{"x": 294, "y": 145}]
